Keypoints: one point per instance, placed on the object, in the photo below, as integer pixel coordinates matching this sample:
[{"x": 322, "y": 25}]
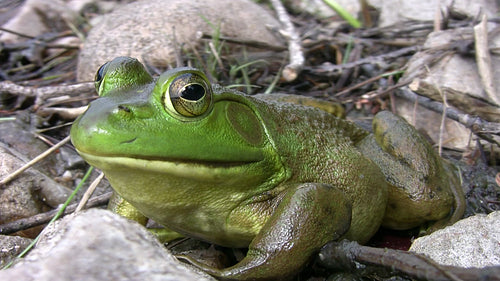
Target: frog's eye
[
  {"x": 99, "y": 76},
  {"x": 189, "y": 95},
  {"x": 120, "y": 74}
]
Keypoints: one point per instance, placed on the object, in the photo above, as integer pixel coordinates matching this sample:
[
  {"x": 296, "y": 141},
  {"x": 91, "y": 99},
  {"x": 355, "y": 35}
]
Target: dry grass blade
[
  {"x": 483, "y": 59},
  {"x": 89, "y": 192},
  {"x": 33, "y": 162}
]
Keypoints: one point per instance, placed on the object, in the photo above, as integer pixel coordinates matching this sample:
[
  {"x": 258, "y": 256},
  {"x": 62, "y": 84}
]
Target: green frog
[{"x": 265, "y": 172}]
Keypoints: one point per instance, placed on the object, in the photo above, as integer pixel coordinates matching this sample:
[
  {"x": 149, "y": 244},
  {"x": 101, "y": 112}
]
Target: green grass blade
[
  {"x": 343, "y": 13},
  {"x": 56, "y": 216}
]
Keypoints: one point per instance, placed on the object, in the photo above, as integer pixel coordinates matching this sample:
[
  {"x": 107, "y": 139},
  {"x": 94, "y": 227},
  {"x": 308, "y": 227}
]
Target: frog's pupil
[
  {"x": 98, "y": 76},
  {"x": 193, "y": 92},
  {"x": 100, "y": 73}
]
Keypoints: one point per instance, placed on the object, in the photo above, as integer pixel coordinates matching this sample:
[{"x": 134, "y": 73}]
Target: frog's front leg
[
  {"x": 423, "y": 187},
  {"x": 308, "y": 216},
  {"x": 122, "y": 207}
]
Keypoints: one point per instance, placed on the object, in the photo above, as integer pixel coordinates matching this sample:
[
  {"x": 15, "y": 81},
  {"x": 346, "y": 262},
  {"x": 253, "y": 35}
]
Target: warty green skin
[{"x": 278, "y": 178}]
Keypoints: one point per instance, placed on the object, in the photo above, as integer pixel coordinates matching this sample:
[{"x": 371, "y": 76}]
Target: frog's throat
[{"x": 203, "y": 170}]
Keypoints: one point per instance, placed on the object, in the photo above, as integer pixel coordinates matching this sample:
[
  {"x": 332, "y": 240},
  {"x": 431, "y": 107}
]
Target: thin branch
[
  {"x": 43, "y": 218},
  {"x": 332, "y": 69},
  {"x": 348, "y": 254},
  {"x": 363, "y": 83},
  {"x": 44, "y": 93},
  {"x": 16, "y": 33},
  {"x": 478, "y": 126},
  {"x": 249, "y": 43},
  {"x": 293, "y": 69}
]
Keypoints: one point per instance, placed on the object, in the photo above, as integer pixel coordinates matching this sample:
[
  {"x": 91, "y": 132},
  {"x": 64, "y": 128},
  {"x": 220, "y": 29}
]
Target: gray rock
[
  {"x": 99, "y": 245},
  {"x": 146, "y": 30},
  {"x": 27, "y": 194},
  {"x": 454, "y": 75},
  {"x": 471, "y": 242},
  {"x": 319, "y": 9},
  {"x": 396, "y": 11},
  {"x": 38, "y": 16},
  {"x": 11, "y": 246},
  {"x": 454, "y": 134}
]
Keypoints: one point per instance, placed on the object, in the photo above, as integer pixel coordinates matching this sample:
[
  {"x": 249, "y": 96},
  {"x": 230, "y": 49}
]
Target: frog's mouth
[{"x": 204, "y": 170}]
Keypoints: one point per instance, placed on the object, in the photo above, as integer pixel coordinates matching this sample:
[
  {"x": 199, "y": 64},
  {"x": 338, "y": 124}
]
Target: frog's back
[
  {"x": 316, "y": 146},
  {"x": 319, "y": 115}
]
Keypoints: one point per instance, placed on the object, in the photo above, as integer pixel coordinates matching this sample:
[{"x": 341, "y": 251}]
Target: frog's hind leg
[{"x": 421, "y": 183}]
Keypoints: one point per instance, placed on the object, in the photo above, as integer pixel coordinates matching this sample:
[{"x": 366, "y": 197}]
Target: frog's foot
[
  {"x": 165, "y": 235},
  {"x": 420, "y": 185},
  {"x": 458, "y": 196},
  {"x": 308, "y": 216}
]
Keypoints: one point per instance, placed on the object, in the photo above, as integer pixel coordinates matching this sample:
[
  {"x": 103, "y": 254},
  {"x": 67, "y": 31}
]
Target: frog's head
[{"x": 177, "y": 124}]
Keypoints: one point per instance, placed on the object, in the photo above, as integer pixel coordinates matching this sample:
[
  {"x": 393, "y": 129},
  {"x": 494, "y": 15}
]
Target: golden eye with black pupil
[
  {"x": 192, "y": 92},
  {"x": 189, "y": 95}
]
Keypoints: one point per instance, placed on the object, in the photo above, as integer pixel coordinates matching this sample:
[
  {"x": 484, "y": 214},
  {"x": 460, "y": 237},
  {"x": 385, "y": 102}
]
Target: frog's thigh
[
  {"x": 419, "y": 187},
  {"x": 308, "y": 216}
]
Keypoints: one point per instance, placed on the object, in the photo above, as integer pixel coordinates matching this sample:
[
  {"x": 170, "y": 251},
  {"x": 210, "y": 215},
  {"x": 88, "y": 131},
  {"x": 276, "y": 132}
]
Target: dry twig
[
  {"x": 328, "y": 69},
  {"x": 293, "y": 69},
  {"x": 249, "y": 43},
  {"x": 478, "y": 126},
  {"x": 65, "y": 113},
  {"x": 44, "y": 93},
  {"x": 346, "y": 253},
  {"x": 42, "y": 218}
]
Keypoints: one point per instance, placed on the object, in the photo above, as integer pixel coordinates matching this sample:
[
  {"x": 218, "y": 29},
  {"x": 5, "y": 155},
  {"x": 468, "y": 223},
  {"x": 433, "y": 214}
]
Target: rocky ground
[{"x": 415, "y": 58}]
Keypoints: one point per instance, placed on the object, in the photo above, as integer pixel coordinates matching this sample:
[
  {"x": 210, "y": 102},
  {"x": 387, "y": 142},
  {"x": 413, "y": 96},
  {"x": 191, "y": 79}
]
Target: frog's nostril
[{"x": 124, "y": 108}]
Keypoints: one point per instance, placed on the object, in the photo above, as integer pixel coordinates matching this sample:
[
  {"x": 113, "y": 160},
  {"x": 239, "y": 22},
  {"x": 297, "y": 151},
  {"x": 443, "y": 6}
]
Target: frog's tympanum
[{"x": 256, "y": 171}]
